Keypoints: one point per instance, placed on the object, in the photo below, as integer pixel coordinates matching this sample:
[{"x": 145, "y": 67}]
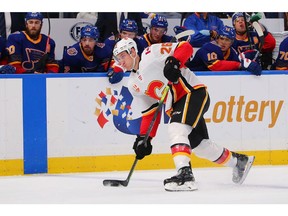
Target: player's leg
[
  {"x": 179, "y": 130},
  {"x": 184, "y": 179},
  {"x": 240, "y": 163},
  {"x": 205, "y": 148}
]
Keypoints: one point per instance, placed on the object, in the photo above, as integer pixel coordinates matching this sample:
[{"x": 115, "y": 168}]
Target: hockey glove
[
  {"x": 255, "y": 17},
  {"x": 39, "y": 67},
  {"x": 178, "y": 30},
  {"x": 171, "y": 69},
  {"x": 251, "y": 66},
  {"x": 115, "y": 77},
  {"x": 141, "y": 149},
  {"x": 7, "y": 69}
]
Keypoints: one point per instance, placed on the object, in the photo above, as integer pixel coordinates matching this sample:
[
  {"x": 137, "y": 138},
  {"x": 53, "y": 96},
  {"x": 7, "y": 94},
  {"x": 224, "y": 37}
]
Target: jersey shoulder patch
[
  {"x": 101, "y": 45},
  {"x": 112, "y": 37},
  {"x": 72, "y": 51}
]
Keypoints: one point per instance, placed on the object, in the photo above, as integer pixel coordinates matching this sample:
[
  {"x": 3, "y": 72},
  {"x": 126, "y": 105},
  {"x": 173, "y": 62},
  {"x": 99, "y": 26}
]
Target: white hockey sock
[
  {"x": 181, "y": 155},
  {"x": 215, "y": 153},
  {"x": 181, "y": 161}
]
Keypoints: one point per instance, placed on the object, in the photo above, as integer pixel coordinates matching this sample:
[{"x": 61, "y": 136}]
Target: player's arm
[
  {"x": 14, "y": 53},
  {"x": 3, "y": 61},
  {"x": 282, "y": 58},
  {"x": 47, "y": 63},
  {"x": 70, "y": 60},
  {"x": 174, "y": 63},
  {"x": 183, "y": 52},
  {"x": 199, "y": 37},
  {"x": 143, "y": 149},
  {"x": 51, "y": 64},
  {"x": 269, "y": 43},
  {"x": 224, "y": 65},
  {"x": 18, "y": 67},
  {"x": 211, "y": 57},
  {"x": 147, "y": 116},
  {"x": 52, "y": 67}
]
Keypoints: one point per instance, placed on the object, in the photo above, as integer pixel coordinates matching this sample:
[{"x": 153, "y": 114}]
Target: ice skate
[
  {"x": 242, "y": 167},
  {"x": 183, "y": 181}
]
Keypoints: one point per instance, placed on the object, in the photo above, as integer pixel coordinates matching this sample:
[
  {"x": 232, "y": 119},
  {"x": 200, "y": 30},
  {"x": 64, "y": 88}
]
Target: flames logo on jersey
[{"x": 116, "y": 106}]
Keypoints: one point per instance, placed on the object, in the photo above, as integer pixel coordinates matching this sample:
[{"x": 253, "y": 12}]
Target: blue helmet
[
  {"x": 237, "y": 15},
  {"x": 90, "y": 31},
  {"x": 159, "y": 21},
  {"x": 227, "y": 31},
  {"x": 34, "y": 15},
  {"x": 128, "y": 25}
]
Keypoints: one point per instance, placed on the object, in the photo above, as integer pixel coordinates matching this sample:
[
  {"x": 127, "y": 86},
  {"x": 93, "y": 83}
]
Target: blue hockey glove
[
  {"x": 179, "y": 29},
  {"x": 140, "y": 149},
  {"x": 251, "y": 66},
  {"x": 171, "y": 69},
  {"x": 7, "y": 69},
  {"x": 115, "y": 77}
]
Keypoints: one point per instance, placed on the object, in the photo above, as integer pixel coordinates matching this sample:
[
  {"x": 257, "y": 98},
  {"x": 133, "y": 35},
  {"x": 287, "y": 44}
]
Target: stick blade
[{"x": 114, "y": 183}]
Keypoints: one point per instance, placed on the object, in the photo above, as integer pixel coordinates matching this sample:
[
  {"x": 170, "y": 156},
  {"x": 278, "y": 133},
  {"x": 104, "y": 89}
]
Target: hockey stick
[
  {"x": 117, "y": 183},
  {"x": 247, "y": 30},
  {"x": 44, "y": 58},
  {"x": 47, "y": 50},
  {"x": 182, "y": 34},
  {"x": 111, "y": 57},
  {"x": 260, "y": 33}
]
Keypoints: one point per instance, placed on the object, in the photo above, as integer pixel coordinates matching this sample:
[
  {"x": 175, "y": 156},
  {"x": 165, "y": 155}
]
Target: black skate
[
  {"x": 242, "y": 167},
  {"x": 183, "y": 181}
]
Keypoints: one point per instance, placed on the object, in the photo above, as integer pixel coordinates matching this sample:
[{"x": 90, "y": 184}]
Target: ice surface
[{"x": 263, "y": 185}]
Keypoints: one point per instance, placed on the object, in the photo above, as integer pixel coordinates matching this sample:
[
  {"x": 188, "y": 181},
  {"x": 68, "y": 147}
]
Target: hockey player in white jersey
[{"x": 164, "y": 64}]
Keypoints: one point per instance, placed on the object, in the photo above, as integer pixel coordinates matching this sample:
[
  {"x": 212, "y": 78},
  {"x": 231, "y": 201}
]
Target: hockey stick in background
[
  {"x": 182, "y": 34},
  {"x": 47, "y": 50},
  {"x": 247, "y": 30},
  {"x": 111, "y": 57},
  {"x": 41, "y": 64},
  {"x": 117, "y": 183},
  {"x": 260, "y": 33}
]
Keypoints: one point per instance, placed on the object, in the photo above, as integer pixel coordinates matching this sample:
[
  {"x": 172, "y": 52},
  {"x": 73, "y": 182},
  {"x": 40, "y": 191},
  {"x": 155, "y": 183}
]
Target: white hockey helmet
[{"x": 125, "y": 44}]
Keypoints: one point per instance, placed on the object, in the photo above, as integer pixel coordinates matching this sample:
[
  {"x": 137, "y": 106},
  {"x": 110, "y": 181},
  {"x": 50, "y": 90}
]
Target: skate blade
[
  {"x": 174, "y": 187},
  {"x": 247, "y": 169}
]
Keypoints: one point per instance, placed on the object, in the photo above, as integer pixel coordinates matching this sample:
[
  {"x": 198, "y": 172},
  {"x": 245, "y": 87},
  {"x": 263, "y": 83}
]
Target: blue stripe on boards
[
  {"x": 99, "y": 74},
  {"x": 34, "y": 124}
]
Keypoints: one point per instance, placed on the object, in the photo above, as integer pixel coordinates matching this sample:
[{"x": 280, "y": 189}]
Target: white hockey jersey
[{"x": 150, "y": 81}]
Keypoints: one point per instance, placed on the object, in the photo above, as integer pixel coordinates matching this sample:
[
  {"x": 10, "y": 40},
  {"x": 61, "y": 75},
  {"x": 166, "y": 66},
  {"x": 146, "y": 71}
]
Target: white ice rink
[{"x": 263, "y": 185}]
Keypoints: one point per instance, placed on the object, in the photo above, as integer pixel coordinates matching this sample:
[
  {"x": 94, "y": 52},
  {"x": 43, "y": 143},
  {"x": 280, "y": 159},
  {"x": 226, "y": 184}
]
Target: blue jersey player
[
  {"x": 250, "y": 40},
  {"x": 29, "y": 50},
  {"x": 128, "y": 29},
  {"x": 218, "y": 55},
  {"x": 282, "y": 58},
  {"x": 4, "y": 68},
  {"x": 205, "y": 26},
  {"x": 157, "y": 34},
  {"x": 87, "y": 55},
  {"x": 3, "y": 54}
]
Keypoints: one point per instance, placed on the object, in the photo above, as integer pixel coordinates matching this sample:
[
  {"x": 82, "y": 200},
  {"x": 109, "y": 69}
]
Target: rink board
[{"x": 66, "y": 122}]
